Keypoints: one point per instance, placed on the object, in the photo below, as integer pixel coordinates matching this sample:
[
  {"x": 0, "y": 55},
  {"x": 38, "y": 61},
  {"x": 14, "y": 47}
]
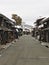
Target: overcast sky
[{"x": 29, "y": 10}]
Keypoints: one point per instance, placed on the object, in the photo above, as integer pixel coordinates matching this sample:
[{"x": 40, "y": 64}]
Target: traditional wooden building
[
  {"x": 6, "y": 31},
  {"x": 45, "y": 29},
  {"x": 38, "y": 27},
  {"x": 42, "y": 29},
  {"x": 33, "y": 32}
]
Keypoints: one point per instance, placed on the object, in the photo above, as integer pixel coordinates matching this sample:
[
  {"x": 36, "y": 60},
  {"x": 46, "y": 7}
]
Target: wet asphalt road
[{"x": 25, "y": 51}]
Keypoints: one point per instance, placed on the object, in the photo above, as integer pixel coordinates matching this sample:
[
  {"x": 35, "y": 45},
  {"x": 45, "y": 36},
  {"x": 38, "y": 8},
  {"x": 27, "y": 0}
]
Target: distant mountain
[{"x": 29, "y": 26}]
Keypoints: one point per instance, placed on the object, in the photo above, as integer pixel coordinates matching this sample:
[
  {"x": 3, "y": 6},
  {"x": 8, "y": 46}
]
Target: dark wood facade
[
  {"x": 6, "y": 31},
  {"x": 43, "y": 31},
  {"x": 37, "y": 29}
]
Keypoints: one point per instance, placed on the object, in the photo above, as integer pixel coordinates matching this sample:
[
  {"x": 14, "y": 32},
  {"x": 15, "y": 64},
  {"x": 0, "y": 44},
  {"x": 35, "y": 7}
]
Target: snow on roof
[
  {"x": 45, "y": 19},
  {"x": 18, "y": 26}
]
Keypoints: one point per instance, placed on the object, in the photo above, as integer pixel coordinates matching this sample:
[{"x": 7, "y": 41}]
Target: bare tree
[{"x": 17, "y": 18}]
